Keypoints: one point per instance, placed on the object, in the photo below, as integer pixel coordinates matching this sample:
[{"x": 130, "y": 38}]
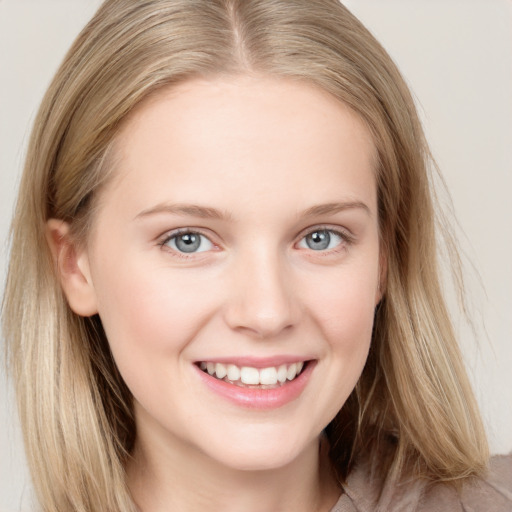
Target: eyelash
[
  {"x": 180, "y": 232},
  {"x": 347, "y": 239}
]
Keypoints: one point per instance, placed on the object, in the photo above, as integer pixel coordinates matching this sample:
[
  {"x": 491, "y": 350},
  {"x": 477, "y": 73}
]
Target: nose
[{"x": 262, "y": 300}]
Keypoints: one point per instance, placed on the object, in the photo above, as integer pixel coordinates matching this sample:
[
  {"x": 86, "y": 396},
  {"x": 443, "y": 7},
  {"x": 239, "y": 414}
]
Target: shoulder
[
  {"x": 491, "y": 493},
  {"x": 367, "y": 492}
]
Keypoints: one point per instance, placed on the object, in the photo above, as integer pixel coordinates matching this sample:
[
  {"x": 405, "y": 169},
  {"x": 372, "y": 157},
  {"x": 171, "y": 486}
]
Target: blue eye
[
  {"x": 189, "y": 242},
  {"x": 321, "y": 240}
]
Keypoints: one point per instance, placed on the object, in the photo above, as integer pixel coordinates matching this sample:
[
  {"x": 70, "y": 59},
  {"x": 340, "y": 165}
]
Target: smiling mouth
[{"x": 248, "y": 376}]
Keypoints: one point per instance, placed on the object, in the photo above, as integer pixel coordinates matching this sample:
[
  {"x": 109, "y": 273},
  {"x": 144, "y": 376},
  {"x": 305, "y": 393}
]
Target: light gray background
[{"x": 457, "y": 57}]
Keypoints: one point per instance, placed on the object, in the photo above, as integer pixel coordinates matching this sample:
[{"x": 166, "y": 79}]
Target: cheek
[
  {"x": 343, "y": 313},
  {"x": 344, "y": 309},
  {"x": 148, "y": 316}
]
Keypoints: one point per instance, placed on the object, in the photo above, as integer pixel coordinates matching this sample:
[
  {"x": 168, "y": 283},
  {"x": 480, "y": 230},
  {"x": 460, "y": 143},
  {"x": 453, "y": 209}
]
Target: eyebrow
[
  {"x": 332, "y": 208},
  {"x": 206, "y": 212},
  {"x": 191, "y": 210}
]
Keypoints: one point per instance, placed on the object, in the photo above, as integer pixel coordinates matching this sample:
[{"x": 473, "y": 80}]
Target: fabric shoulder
[
  {"x": 369, "y": 491},
  {"x": 491, "y": 493}
]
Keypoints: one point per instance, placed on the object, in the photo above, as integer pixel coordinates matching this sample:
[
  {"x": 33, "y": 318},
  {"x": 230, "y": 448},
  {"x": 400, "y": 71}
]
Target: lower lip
[{"x": 258, "y": 398}]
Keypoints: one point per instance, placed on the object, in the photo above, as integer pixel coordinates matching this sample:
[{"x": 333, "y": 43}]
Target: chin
[{"x": 260, "y": 454}]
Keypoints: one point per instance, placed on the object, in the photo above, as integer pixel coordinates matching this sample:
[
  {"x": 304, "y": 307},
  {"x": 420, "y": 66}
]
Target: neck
[{"x": 171, "y": 475}]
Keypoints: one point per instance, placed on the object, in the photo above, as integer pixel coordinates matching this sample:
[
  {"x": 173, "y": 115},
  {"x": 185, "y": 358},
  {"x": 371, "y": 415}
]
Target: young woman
[{"x": 223, "y": 290}]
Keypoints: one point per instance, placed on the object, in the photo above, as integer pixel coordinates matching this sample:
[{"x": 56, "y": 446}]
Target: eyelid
[
  {"x": 169, "y": 235},
  {"x": 347, "y": 238},
  {"x": 344, "y": 233}
]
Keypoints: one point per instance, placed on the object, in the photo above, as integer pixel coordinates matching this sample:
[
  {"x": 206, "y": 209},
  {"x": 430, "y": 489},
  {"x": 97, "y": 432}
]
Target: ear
[{"x": 72, "y": 265}]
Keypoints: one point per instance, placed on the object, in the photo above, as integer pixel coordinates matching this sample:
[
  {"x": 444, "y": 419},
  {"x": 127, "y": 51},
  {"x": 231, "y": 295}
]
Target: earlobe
[{"x": 72, "y": 267}]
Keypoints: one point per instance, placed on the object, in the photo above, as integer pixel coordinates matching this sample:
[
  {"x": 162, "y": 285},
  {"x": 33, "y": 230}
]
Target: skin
[{"x": 260, "y": 151}]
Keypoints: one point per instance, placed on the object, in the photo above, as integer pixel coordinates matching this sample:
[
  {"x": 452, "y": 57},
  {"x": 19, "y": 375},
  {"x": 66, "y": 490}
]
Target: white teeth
[
  {"x": 249, "y": 375},
  {"x": 220, "y": 370},
  {"x": 210, "y": 367},
  {"x": 270, "y": 376},
  {"x": 282, "y": 372},
  {"x": 292, "y": 372},
  {"x": 233, "y": 372}
]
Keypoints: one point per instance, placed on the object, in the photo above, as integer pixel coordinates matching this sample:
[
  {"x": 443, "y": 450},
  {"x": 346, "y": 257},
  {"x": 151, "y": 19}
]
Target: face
[{"x": 234, "y": 262}]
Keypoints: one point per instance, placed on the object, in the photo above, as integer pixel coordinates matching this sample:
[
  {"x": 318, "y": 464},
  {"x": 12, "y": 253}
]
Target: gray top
[{"x": 493, "y": 493}]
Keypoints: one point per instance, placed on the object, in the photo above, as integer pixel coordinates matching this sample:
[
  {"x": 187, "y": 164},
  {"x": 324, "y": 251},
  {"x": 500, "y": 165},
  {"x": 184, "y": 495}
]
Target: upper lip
[{"x": 257, "y": 362}]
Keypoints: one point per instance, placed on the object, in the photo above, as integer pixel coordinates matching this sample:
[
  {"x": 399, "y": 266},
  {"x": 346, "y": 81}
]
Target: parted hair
[{"x": 413, "y": 397}]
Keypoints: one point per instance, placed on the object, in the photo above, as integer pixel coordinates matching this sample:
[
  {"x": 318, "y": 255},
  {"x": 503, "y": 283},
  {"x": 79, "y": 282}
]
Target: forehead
[{"x": 246, "y": 134}]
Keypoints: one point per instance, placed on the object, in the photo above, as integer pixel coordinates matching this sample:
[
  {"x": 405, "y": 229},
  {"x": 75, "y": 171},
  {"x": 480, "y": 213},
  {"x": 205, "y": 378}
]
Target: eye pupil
[
  {"x": 188, "y": 242},
  {"x": 318, "y": 240}
]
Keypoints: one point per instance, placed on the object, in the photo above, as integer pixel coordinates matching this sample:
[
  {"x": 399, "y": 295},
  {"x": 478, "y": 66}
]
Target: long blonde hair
[{"x": 413, "y": 396}]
